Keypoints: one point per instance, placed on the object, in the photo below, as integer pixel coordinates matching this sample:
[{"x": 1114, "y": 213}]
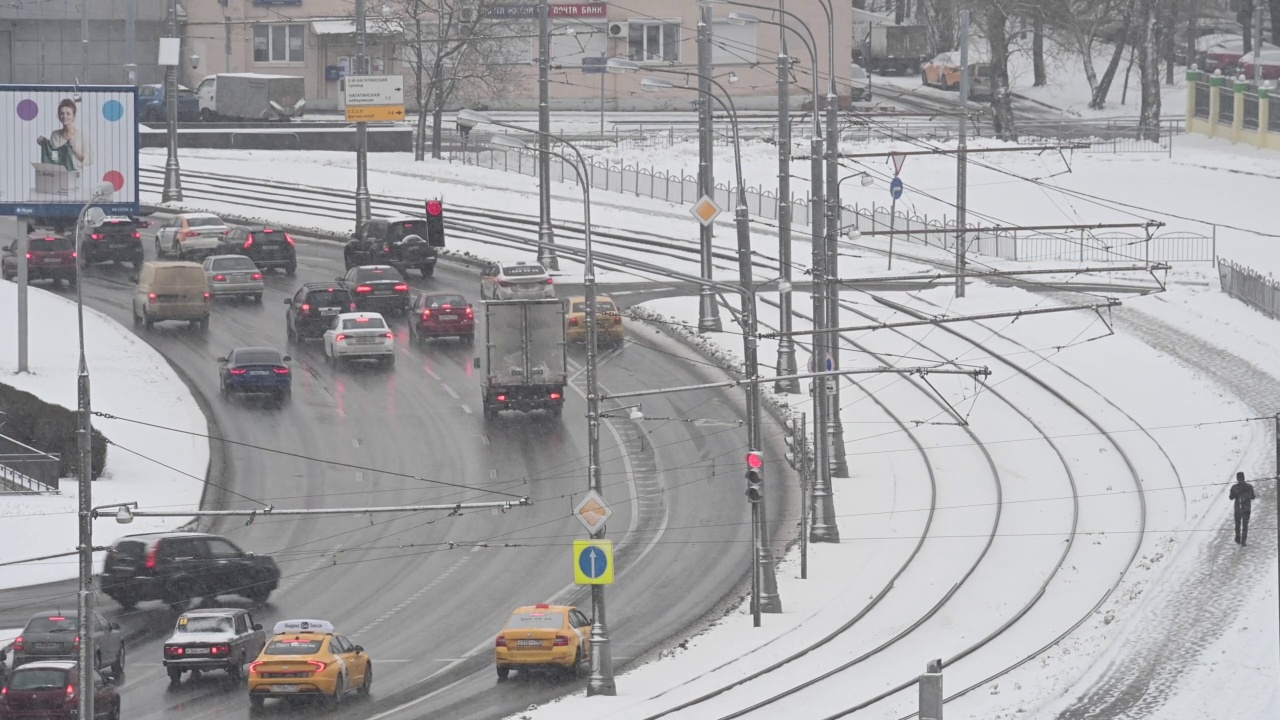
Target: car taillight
[
  {"x": 219, "y": 278},
  {"x": 239, "y": 371},
  {"x": 75, "y": 254},
  {"x": 364, "y": 289},
  {"x": 500, "y": 642},
  {"x": 340, "y": 338},
  {"x": 555, "y": 396},
  {"x": 306, "y": 307},
  {"x": 573, "y": 322},
  {"x": 502, "y": 398},
  {"x": 562, "y": 641},
  {"x": 96, "y": 236},
  {"x": 151, "y": 298},
  {"x": 171, "y": 650},
  {"x": 257, "y": 276},
  {"x": 248, "y": 243},
  {"x": 617, "y": 319},
  {"x": 402, "y": 287},
  {"x": 504, "y": 283},
  {"x": 220, "y": 650},
  {"x": 353, "y": 307},
  {"x": 154, "y": 552},
  {"x": 426, "y": 314},
  {"x": 253, "y": 666},
  {"x": 390, "y": 335},
  {"x": 19, "y": 644},
  {"x": 28, "y": 256},
  {"x": 71, "y": 693},
  {"x": 289, "y": 239},
  {"x": 75, "y": 645},
  {"x": 317, "y": 666},
  {"x": 470, "y": 313},
  {"x": 206, "y": 297},
  {"x": 137, "y": 235},
  {"x": 550, "y": 281},
  {"x": 282, "y": 371},
  {"x": 4, "y": 691}
]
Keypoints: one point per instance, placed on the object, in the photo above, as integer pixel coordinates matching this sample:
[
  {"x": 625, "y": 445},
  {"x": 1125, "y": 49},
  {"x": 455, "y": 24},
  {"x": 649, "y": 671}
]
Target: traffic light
[
  {"x": 435, "y": 223},
  {"x": 755, "y": 476},
  {"x": 791, "y": 440}
]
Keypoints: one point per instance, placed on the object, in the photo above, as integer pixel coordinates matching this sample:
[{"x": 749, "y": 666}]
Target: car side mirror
[
  {"x": 222, "y": 359},
  {"x": 288, "y": 359},
  {"x": 475, "y": 363},
  {"x": 288, "y": 301},
  {"x": 339, "y": 278},
  {"x": 133, "y": 279},
  {"x": 359, "y": 649},
  {"x": 257, "y": 626},
  {"x": 109, "y": 680},
  {"x": 115, "y": 626}
]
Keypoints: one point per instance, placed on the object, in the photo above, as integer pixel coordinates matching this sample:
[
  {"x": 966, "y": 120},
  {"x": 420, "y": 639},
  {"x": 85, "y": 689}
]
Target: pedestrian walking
[{"x": 1243, "y": 495}]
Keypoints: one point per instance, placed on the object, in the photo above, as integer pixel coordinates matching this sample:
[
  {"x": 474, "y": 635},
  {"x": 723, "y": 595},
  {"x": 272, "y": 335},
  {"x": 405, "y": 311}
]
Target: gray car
[
  {"x": 214, "y": 639},
  {"x": 233, "y": 276},
  {"x": 55, "y": 636}
]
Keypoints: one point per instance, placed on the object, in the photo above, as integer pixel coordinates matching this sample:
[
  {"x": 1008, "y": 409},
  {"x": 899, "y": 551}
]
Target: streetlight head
[
  {"x": 94, "y": 216},
  {"x": 854, "y": 235},
  {"x": 652, "y": 84},
  {"x": 742, "y": 18},
  {"x": 784, "y": 286},
  {"x": 509, "y": 142},
  {"x": 636, "y": 413},
  {"x": 867, "y": 180},
  {"x": 621, "y": 65},
  {"x": 470, "y": 118},
  {"x": 733, "y": 77},
  {"x": 103, "y": 190},
  {"x": 124, "y": 515}
]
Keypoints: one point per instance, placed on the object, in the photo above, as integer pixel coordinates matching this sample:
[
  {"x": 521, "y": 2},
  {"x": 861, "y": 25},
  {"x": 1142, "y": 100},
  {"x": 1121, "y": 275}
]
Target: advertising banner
[{"x": 60, "y": 142}]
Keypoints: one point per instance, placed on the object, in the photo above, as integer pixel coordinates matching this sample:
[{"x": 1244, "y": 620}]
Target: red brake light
[
  {"x": 402, "y": 287},
  {"x": 542, "y": 606},
  {"x": 137, "y": 235},
  {"x": 562, "y": 641},
  {"x": 391, "y": 335},
  {"x": 364, "y": 288},
  {"x": 319, "y": 666},
  {"x": 75, "y": 254},
  {"x": 268, "y": 230},
  {"x": 617, "y": 319},
  {"x": 573, "y": 322},
  {"x": 239, "y": 371},
  {"x": 550, "y": 281},
  {"x": 289, "y": 239},
  {"x": 219, "y": 278},
  {"x": 434, "y": 207},
  {"x": 500, "y": 642},
  {"x": 4, "y": 691},
  {"x": 340, "y": 338},
  {"x": 75, "y": 645},
  {"x": 206, "y": 296},
  {"x": 220, "y": 650},
  {"x": 282, "y": 370},
  {"x": 58, "y": 618},
  {"x": 96, "y": 236},
  {"x": 248, "y": 243},
  {"x": 19, "y": 644},
  {"x": 253, "y": 666},
  {"x": 71, "y": 692},
  {"x": 28, "y": 256},
  {"x": 426, "y": 314},
  {"x": 257, "y": 276},
  {"x": 173, "y": 650},
  {"x": 362, "y": 320},
  {"x": 154, "y": 552},
  {"x": 151, "y": 298},
  {"x": 306, "y": 307},
  {"x": 555, "y": 396},
  {"x": 470, "y": 313},
  {"x": 502, "y": 398},
  {"x": 353, "y": 307}
]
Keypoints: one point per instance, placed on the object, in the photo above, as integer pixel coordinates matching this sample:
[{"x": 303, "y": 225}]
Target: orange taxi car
[
  {"x": 545, "y": 637},
  {"x": 608, "y": 321},
  {"x": 308, "y": 659}
]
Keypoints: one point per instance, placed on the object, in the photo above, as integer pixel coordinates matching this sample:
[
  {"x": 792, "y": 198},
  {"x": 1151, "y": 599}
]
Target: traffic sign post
[
  {"x": 593, "y": 562},
  {"x": 895, "y": 192},
  {"x": 373, "y": 97}
]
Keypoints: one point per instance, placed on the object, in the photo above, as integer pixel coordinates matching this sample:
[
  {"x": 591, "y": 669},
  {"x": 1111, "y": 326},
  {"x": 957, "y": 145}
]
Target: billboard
[{"x": 62, "y": 141}]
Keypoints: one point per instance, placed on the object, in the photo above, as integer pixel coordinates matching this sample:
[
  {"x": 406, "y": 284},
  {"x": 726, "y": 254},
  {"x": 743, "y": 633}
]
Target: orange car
[
  {"x": 308, "y": 658},
  {"x": 545, "y": 637},
  {"x": 944, "y": 72}
]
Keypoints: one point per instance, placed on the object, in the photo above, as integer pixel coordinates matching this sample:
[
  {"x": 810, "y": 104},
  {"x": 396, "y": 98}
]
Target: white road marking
[
  {"x": 465, "y": 409},
  {"x": 452, "y": 393},
  {"x": 359, "y": 476},
  {"x": 484, "y": 439},
  {"x": 493, "y": 474},
  {"x": 405, "y": 603},
  {"x": 430, "y": 373},
  {"x": 355, "y": 442}
]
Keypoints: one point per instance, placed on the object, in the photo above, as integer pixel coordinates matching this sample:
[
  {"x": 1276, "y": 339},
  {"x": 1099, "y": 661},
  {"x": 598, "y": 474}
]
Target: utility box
[{"x": 931, "y": 691}]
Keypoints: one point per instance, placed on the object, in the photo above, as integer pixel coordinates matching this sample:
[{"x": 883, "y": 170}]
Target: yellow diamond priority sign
[
  {"x": 705, "y": 210},
  {"x": 592, "y": 512}
]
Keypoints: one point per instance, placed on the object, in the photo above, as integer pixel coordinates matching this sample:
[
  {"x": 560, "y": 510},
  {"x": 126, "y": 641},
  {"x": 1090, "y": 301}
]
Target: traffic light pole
[
  {"x": 708, "y": 309},
  {"x": 546, "y": 236},
  {"x": 363, "y": 205}
]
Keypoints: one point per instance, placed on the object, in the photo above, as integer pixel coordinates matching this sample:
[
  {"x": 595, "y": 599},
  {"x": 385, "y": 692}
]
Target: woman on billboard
[{"x": 67, "y": 147}]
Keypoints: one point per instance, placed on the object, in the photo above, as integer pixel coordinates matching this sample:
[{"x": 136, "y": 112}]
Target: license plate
[
  {"x": 52, "y": 261},
  {"x": 240, "y": 278},
  {"x": 529, "y": 642},
  {"x": 448, "y": 318},
  {"x": 197, "y": 651},
  {"x": 328, "y": 311},
  {"x": 384, "y": 292},
  {"x": 259, "y": 372},
  {"x": 366, "y": 341},
  {"x": 48, "y": 646},
  {"x": 284, "y": 688},
  {"x": 119, "y": 245}
]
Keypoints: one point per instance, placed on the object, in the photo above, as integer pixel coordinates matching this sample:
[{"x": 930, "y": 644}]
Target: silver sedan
[{"x": 233, "y": 276}]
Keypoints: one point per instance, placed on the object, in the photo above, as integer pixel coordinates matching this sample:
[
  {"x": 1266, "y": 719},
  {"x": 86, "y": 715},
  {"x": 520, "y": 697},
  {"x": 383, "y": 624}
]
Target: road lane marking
[
  {"x": 452, "y": 393},
  {"x": 484, "y": 439},
  {"x": 355, "y": 442},
  {"x": 465, "y": 409},
  {"x": 427, "y": 369},
  {"x": 407, "y": 601}
]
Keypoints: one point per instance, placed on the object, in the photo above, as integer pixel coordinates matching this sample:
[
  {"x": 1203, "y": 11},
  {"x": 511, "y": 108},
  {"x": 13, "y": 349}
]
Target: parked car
[
  {"x": 177, "y": 566},
  {"x": 400, "y": 241},
  {"x": 55, "y": 635},
  {"x": 115, "y": 238},
  {"x": 169, "y": 290},
  {"x": 943, "y": 71},
  {"x": 233, "y": 276},
  {"x": 215, "y": 639},
  {"x": 270, "y": 248},
  {"x": 50, "y": 690},
  {"x": 256, "y": 371},
  {"x": 190, "y": 236},
  {"x": 515, "y": 281},
  {"x": 1223, "y": 53},
  {"x": 153, "y": 104},
  {"x": 49, "y": 257},
  {"x": 313, "y": 308},
  {"x": 441, "y": 314},
  {"x": 377, "y": 288},
  {"x": 1269, "y": 59}
]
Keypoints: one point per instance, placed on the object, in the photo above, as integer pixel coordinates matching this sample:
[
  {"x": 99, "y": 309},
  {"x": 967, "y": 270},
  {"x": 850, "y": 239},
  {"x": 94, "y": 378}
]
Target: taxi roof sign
[{"x": 318, "y": 626}]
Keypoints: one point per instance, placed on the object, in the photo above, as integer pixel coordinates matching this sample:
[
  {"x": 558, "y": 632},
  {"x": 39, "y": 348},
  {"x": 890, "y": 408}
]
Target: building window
[
  {"x": 279, "y": 43},
  {"x": 653, "y": 41}
]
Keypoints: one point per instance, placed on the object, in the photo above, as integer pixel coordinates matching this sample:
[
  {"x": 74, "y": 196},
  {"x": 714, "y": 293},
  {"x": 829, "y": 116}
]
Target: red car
[
  {"x": 1270, "y": 61},
  {"x": 441, "y": 314},
  {"x": 49, "y": 257},
  {"x": 50, "y": 690}
]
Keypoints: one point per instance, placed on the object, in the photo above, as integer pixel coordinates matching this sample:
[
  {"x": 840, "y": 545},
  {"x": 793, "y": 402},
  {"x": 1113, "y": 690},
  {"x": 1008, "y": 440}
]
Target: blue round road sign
[
  {"x": 593, "y": 562},
  {"x": 895, "y": 187}
]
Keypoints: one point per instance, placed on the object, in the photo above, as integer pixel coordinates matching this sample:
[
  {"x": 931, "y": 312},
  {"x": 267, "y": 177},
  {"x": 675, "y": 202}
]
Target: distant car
[
  {"x": 515, "y": 281},
  {"x": 55, "y": 635},
  {"x": 859, "y": 84},
  {"x": 176, "y": 567},
  {"x": 152, "y": 104},
  {"x": 190, "y": 236},
  {"x": 270, "y": 248},
  {"x": 313, "y": 308},
  {"x": 544, "y": 637},
  {"x": 233, "y": 276},
  {"x": 943, "y": 71},
  {"x": 360, "y": 336},
  {"x": 256, "y": 371},
  {"x": 400, "y": 241},
  {"x": 50, "y": 690},
  {"x": 377, "y": 289},
  {"x": 309, "y": 658},
  {"x": 608, "y": 321},
  {"x": 441, "y": 314},
  {"x": 214, "y": 639},
  {"x": 115, "y": 238},
  {"x": 1269, "y": 59},
  {"x": 49, "y": 257},
  {"x": 1224, "y": 53}
]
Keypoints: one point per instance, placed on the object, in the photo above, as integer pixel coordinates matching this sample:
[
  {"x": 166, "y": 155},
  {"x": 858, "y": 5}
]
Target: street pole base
[
  {"x": 548, "y": 259},
  {"x": 770, "y": 603},
  {"x": 787, "y": 366},
  {"x": 602, "y": 686},
  {"x": 708, "y": 312},
  {"x": 824, "y": 533}
]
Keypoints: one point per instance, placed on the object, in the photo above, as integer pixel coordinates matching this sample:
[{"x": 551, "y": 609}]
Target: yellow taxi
[
  {"x": 608, "y": 321},
  {"x": 308, "y": 659},
  {"x": 545, "y": 637}
]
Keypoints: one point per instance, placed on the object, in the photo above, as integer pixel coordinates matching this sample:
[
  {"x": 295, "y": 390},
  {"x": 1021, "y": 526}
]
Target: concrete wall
[{"x": 40, "y": 42}]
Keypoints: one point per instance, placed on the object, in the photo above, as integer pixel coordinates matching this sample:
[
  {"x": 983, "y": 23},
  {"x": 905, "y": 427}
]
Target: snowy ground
[{"x": 129, "y": 379}]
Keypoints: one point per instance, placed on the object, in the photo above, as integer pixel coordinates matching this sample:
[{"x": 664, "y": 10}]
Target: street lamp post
[
  {"x": 601, "y": 681},
  {"x": 172, "y": 191},
  {"x": 363, "y": 201},
  {"x": 84, "y": 598},
  {"x": 546, "y": 236}
]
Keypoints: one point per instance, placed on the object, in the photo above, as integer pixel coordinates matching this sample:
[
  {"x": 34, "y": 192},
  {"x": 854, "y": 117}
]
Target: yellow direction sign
[
  {"x": 592, "y": 512},
  {"x": 593, "y": 562},
  {"x": 705, "y": 210},
  {"x": 374, "y": 113}
]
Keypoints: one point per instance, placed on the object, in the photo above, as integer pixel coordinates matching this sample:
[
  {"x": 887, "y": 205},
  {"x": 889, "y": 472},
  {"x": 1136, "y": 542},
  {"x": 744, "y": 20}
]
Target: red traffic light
[
  {"x": 434, "y": 207},
  {"x": 755, "y": 460}
]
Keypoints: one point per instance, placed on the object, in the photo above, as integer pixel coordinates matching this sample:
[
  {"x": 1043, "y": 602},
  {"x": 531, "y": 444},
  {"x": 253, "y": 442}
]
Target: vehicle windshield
[
  {"x": 542, "y": 620},
  {"x": 293, "y": 647},
  {"x": 455, "y": 301},
  {"x": 204, "y": 624},
  {"x": 204, "y": 220},
  {"x": 375, "y": 274},
  {"x": 148, "y": 91},
  {"x": 523, "y": 270},
  {"x": 397, "y": 231},
  {"x": 238, "y": 262},
  {"x": 258, "y": 357},
  {"x": 51, "y": 243},
  {"x": 328, "y": 298},
  {"x": 52, "y": 624},
  {"x": 363, "y": 324},
  {"x": 38, "y": 679}
]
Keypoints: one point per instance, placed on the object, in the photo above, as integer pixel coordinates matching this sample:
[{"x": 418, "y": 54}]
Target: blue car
[
  {"x": 153, "y": 107},
  {"x": 256, "y": 371}
]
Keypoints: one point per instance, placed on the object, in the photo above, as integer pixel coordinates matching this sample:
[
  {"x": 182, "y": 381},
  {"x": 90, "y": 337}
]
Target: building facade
[{"x": 41, "y": 42}]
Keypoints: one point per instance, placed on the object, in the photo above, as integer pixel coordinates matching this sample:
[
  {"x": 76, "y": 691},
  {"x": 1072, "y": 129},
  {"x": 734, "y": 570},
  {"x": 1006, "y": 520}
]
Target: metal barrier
[
  {"x": 1261, "y": 292},
  {"x": 23, "y": 469}
]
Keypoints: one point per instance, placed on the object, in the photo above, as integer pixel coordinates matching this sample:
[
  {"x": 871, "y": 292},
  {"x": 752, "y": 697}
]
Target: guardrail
[
  {"x": 23, "y": 469},
  {"x": 1261, "y": 292}
]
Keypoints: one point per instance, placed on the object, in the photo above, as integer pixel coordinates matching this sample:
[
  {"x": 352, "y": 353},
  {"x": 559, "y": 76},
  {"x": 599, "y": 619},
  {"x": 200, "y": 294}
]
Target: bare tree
[
  {"x": 995, "y": 21},
  {"x": 1148, "y": 70},
  {"x": 1273, "y": 7},
  {"x": 1037, "y": 49},
  {"x": 1083, "y": 22},
  {"x": 1245, "y": 17}
]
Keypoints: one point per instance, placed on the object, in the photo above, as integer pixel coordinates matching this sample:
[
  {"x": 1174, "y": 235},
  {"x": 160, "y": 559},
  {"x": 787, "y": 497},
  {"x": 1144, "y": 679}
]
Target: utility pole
[
  {"x": 801, "y": 450},
  {"x": 786, "y": 346},
  {"x": 546, "y": 237},
  {"x": 20, "y": 231},
  {"x": 363, "y": 211},
  {"x": 1257, "y": 47},
  {"x": 839, "y": 464},
  {"x": 962, "y": 159},
  {"x": 84, "y": 42},
  {"x": 708, "y": 310},
  {"x": 130, "y": 33},
  {"x": 172, "y": 173}
]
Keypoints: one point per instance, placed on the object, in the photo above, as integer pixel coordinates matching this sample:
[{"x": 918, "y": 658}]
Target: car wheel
[
  {"x": 503, "y": 674},
  {"x": 204, "y": 324},
  {"x": 159, "y": 251},
  {"x": 924, "y": 78},
  {"x": 117, "y": 667},
  {"x": 557, "y": 411},
  {"x": 469, "y": 340},
  {"x": 175, "y": 676},
  {"x": 389, "y": 362},
  {"x": 581, "y": 665},
  {"x": 490, "y": 413},
  {"x": 291, "y": 269},
  {"x": 137, "y": 321},
  {"x": 428, "y": 270},
  {"x": 235, "y": 670},
  {"x": 255, "y": 702},
  {"x": 257, "y": 297},
  {"x": 339, "y": 689},
  {"x": 259, "y": 593},
  {"x": 147, "y": 321},
  {"x": 115, "y": 712},
  {"x": 289, "y": 332},
  {"x": 368, "y": 680},
  {"x": 283, "y": 397}
]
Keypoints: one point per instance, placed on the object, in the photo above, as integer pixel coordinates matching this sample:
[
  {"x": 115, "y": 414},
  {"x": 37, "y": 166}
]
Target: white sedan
[
  {"x": 360, "y": 336},
  {"x": 190, "y": 236}
]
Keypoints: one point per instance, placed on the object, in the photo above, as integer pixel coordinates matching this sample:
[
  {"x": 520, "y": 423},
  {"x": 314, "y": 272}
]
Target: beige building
[{"x": 315, "y": 39}]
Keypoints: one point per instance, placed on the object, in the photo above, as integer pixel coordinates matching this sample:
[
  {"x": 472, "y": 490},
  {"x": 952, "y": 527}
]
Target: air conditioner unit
[
  {"x": 617, "y": 30},
  {"x": 468, "y": 16}
]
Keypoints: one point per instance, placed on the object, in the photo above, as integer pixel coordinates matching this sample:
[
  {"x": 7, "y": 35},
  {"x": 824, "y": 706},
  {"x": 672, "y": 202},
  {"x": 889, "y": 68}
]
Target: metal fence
[
  {"x": 1262, "y": 292},
  {"x": 1273, "y": 116},
  {"x": 23, "y": 469},
  {"x": 1226, "y": 106},
  {"x": 1203, "y": 103}
]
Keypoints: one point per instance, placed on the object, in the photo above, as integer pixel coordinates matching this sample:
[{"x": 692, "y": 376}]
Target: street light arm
[{"x": 788, "y": 13}]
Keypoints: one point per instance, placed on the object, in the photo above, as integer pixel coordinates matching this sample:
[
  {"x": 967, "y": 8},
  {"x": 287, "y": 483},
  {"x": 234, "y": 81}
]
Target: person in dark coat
[{"x": 1243, "y": 495}]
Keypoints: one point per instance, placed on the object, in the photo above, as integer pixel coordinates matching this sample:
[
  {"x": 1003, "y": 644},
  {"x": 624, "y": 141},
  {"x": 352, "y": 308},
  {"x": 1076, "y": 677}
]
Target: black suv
[
  {"x": 117, "y": 238},
  {"x": 268, "y": 247},
  {"x": 313, "y": 308},
  {"x": 400, "y": 242},
  {"x": 175, "y": 567}
]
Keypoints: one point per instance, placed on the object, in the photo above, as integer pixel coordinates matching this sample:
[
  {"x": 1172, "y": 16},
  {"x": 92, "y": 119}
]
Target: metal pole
[
  {"x": 130, "y": 31},
  {"x": 1257, "y": 47},
  {"x": 172, "y": 173},
  {"x": 602, "y": 77},
  {"x": 1276, "y": 487},
  {"x": 802, "y": 451},
  {"x": 546, "y": 237},
  {"x": 84, "y": 598},
  {"x": 708, "y": 310},
  {"x": 839, "y": 465},
  {"x": 893, "y": 208},
  {"x": 20, "y": 225},
  {"x": 363, "y": 210},
  {"x": 786, "y": 347},
  {"x": 820, "y": 529},
  {"x": 962, "y": 179},
  {"x": 84, "y": 41}
]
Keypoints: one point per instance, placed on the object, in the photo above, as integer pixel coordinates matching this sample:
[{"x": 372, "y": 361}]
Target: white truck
[
  {"x": 251, "y": 96},
  {"x": 523, "y": 365}
]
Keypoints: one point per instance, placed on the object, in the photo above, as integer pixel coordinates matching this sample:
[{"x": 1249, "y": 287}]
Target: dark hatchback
[
  {"x": 441, "y": 314},
  {"x": 269, "y": 247},
  {"x": 51, "y": 691},
  {"x": 256, "y": 371},
  {"x": 176, "y": 567},
  {"x": 49, "y": 257},
  {"x": 313, "y": 308},
  {"x": 55, "y": 636},
  {"x": 116, "y": 238},
  {"x": 378, "y": 288}
]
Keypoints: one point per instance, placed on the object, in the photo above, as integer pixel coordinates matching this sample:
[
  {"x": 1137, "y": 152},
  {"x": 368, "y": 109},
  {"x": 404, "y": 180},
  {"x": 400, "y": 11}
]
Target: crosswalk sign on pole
[{"x": 593, "y": 562}]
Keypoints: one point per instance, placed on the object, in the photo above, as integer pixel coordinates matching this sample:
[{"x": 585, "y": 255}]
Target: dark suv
[
  {"x": 49, "y": 257},
  {"x": 176, "y": 567},
  {"x": 313, "y": 308},
  {"x": 399, "y": 241},
  {"x": 268, "y": 247},
  {"x": 54, "y": 635},
  {"x": 117, "y": 238}
]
